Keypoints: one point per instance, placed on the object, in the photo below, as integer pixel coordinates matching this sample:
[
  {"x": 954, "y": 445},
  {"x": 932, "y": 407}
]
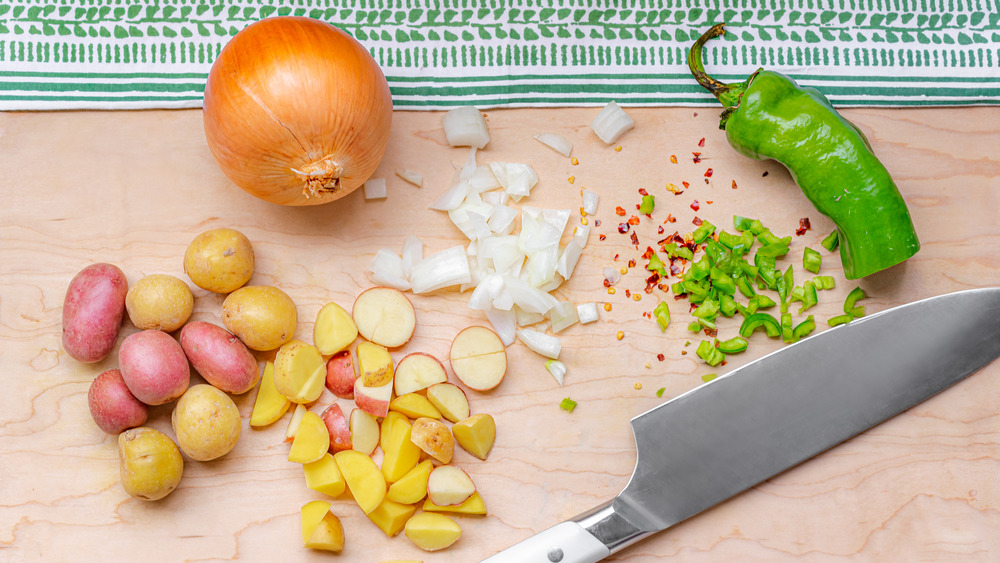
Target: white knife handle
[{"x": 588, "y": 538}]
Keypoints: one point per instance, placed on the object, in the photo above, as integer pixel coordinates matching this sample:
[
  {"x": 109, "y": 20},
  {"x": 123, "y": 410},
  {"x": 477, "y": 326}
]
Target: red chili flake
[
  {"x": 670, "y": 218},
  {"x": 711, "y": 332},
  {"x": 642, "y": 191},
  {"x": 607, "y": 283},
  {"x": 635, "y": 240},
  {"x": 659, "y": 230},
  {"x": 623, "y": 228},
  {"x": 701, "y": 143},
  {"x": 803, "y": 226},
  {"x": 734, "y": 184},
  {"x": 633, "y": 220},
  {"x": 684, "y": 352},
  {"x": 695, "y": 205},
  {"x": 723, "y": 362},
  {"x": 597, "y": 222},
  {"x": 648, "y": 254},
  {"x": 620, "y": 211},
  {"x": 631, "y": 262},
  {"x": 697, "y": 157},
  {"x": 647, "y": 315},
  {"x": 615, "y": 258},
  {"x": 686, "y": 185},
  {"x": 692, "y": 307},
  {"x": 660, "y": 357},
  {"x": 696, "y": 114},
  {"x": 628, "y": 293},
  {"x": 708, "y": 173},
  {"x": 601, "y": 236},
  {"x": 661, "y": 287},
  {"x": 680, "y": 296},
  {"x": 675, "y": 269},
  {"x": 696, "y": 221},
  {"x": 764, "y": 174},
  {"x": 673, "y": 158}
]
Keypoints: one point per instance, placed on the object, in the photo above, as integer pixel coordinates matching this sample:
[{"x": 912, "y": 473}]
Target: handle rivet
[{"x": 555, "y": 555}]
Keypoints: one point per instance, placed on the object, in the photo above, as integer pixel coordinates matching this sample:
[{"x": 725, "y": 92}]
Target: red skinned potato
[
  {"x": 92, "y": 312},
  {"x": 220, "y": 357},
  {"x": 154, "y": 367},
  {"x": 113, "y": 407},
  {"x": 338, "y": 427},
  {"x": 340, "y": 374}
]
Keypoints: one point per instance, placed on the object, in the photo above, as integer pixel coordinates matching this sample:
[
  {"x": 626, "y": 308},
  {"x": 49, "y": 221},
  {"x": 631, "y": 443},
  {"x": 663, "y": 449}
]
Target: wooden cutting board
[{"x": 134, "y": 188}]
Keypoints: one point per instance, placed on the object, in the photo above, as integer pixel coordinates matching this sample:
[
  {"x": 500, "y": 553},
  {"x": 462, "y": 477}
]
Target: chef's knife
[{"x": 736, "y": 431}]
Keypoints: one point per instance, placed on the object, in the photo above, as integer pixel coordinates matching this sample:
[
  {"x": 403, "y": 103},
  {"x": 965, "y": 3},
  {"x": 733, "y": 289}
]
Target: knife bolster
[{"x": 610, "y": 527}]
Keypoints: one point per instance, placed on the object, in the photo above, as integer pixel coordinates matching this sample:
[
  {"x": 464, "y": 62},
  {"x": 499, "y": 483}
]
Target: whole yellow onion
[{"x": 296, "y": 111}]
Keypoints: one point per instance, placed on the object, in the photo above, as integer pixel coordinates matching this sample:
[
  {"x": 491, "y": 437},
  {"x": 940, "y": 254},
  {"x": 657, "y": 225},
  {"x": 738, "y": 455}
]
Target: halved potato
[
  {"x": 478, "y": 358},
  {"x": 418, "y": 371},
  {"x": 384, "y": 316}
]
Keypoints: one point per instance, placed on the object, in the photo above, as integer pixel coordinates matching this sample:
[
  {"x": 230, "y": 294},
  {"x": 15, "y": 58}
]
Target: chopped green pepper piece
[
  {"x": 733, "y": 345},
  {"x": 728, "y": 239},
  {"x": 742, "y": 223},
  {"x": 811, "y": 260},
  {"x": 707, "y": 322},
  {"x": 727, "y": 305},
  {"x": 785, "y": 285},
  {"x": 694, "y": 287},
  {"x": 662, "y": 315},
  {"x": 708, "y": 377},
  {"x": 787, "y": 333},
  {"x": 824, "y": 282},
  {"x": 657, "y": 265},
  {"x": 702, "y": 232},
  {"x": 853, "y": 297},
  {"x": 858, "y": 312},
  {"x": 840, "y": 319},
  {"x": 707, "y": 310},
  {"x": 699, "y": 270},
  {"x": 675, "y": 251},
  {"x": 762, "y": 302},
  {"x": 745, "y": 288},
  {"x": 677, "y": 288},
  {"x": 567, "y": 404},
  {"x": 774, "y": 249},
  {"x": 802, "y": 329},
  {"x": 832, "y": 241},
  {"x": 808, "y": 296},
  {"x": 752, "y": 322},
  {"x": 796, "y": 295},
  {"x": 750, "y": 271},
  {"x": 708, "y": 352},
  {"x": 694, "y": 327},
  {"x": 722, "y": 281},
  {"x": 646, "y": 207},
  {"x": 659, "y": 392}
]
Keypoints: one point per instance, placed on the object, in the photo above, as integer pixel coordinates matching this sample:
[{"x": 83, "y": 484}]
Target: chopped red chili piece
[
  {"x": 696, "y": 114},
  {"x": 711, "y": 332},
  {"x": 620, "y": 211},
  {"x": 642, "y": 191},
  {"x": 633, "y": 220},
  {"x": 803, "y": 226},
  {"x": 697, "y": 157},
  {"x": 659, "y": 230},
  {"x": 628, "y": 293},
  {"x": 693, "y": 307},
  {"x": 701, "y": 143},
  {"x": 635, "y": 240},
  {"x": 695, "y": 205},
  {"x": 696, "y": 220},
  {"x": 597, "y": 222},
  {"x": 680, "y": 297},
  {"x": 623, "y": 228},
  {"x": 660, "y": 357},
  {"x": 631, "y": 262},
  {"x": 734, "y": 184},
  {"x": 670, "y": 218},
  {"x": 686, "y": 184},
  {"x": 601, "y": 236},
  {"x": 764, "y": 174},
  {"x": 648, "y": 254},
  {"x": 708, "y": 173}
]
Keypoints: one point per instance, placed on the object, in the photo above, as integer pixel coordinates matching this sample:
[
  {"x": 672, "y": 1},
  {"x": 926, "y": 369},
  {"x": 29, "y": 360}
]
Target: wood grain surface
[{"x": 134, "y": 188}]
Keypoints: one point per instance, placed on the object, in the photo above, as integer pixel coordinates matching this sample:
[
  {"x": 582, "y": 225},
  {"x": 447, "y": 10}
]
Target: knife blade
[{"x": 730, "y": 434}]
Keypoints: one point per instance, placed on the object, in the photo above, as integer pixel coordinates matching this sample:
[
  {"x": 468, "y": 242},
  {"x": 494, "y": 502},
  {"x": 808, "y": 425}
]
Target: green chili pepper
[
  {"x": 787, "y": 332},
  {"x": 567, "y": 404},
  {"x": 840, "y": 320},
  {"x": 662, "y": 315},
  {"x": 831, "y": 242},
  {"x": 853, "y": 297},
  {"x": 727, "y": 305},
  {"x": 728, "y": 239},
  {"x": 675, "y": 251},
  {"x": 694, "y": 327},
  {"x": 803, "y": 329},
  {"x": 657, "y": 265},
  {"x": 809, "y": 297},
  {"x": 702, "y": 232},
  {"x": 708, "y": 352},
  {"x": 770, "y": 116},
  {"x": 646, "y": 207},
  {"x": 757, "y": 320},
  {"x": 762, "y": 301},
  {"x": 824, "y": 282},
  {"x": 811, "y": 260},
  {"x": 707, "y": 310},
  {"x": 743, "y": 284},
  {"x": 733, "y": 345},
  {"x": 773, "y": 250}
]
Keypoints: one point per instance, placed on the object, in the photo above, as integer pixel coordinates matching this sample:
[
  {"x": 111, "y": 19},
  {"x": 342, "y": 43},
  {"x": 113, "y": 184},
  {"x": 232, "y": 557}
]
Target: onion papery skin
[{"x": 296, "y": 111}]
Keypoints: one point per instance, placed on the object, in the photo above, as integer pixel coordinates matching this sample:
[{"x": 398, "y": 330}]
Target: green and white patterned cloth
[{"x": 116, "y": 54}]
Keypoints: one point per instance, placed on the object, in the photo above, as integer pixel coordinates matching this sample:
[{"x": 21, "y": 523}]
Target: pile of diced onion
[{"x": 511, "y": 274}]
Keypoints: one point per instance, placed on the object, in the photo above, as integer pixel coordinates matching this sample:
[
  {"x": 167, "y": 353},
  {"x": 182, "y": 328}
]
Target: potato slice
[
  {"x": 476, "y": 434},
  {"x": 374, "y": 364},
  {"x": 391, "y": 516},
  {"x": 412, "y": 487},
  {"x": 431, "y": 531},
  {"x": 326, "y": 534},
  {"x": 340, "y": 374},
  {"x": 478, "y": 358},
  {"x": 385, "y": 427},
  {"x": 372, "y": 400},
  {"x": 414, "y": 406},
  {"x": 334, "y": 329},
  {"x": 418, "y": 371},
  {"x": 338, "y": 427},
  {"x": 299, "y": 372},
  {"x": 472, "y": 505},
  {"x": 384, "y": 316},
  {"x": 434, "y": 438},
  {"x": 311, "y": 515},
  {"x": 450, "y": 400},
  {"x": 312, "y": 440},
  {"x": 364, "y": 432},
  {"x": 401, "y": 453},
  {"x": 295, "y": 421},
  {"x": 364, "y": 479},
  {"x": 270, "y": 405},
  {"x": 324, "y": 476},
  {"x": 448, "y": 485}
]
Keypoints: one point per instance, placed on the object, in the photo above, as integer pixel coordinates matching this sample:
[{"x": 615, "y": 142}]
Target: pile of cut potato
[{"x": 408, "y": 415}]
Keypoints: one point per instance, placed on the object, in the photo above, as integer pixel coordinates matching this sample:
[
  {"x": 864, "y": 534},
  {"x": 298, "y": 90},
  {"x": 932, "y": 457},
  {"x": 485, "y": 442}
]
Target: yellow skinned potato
[
  {"x": 159, "y": 302},
  {"x": 206, "y": 423},
  {"x": 219, "y": 260},
  {"x": 263, "y": 317},
  {"x": 151, "y": 465},
  {"x": 299, "y": 372},
  {"x": 431, "y": 531},
  {"x": 270, "y": 405}
]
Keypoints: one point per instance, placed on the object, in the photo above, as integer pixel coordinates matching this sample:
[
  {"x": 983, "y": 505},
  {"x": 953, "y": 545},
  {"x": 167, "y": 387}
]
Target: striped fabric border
[{"x": 114, "y": 54}]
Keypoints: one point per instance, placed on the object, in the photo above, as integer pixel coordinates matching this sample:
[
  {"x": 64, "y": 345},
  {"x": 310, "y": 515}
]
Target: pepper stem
[{"x": 727, "y": 94}]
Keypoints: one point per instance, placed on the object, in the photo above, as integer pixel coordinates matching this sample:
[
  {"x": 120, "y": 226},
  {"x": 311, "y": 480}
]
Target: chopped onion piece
[
  {"x": 611, "y": 275},
  {"x": 556, "y": 142},
  {"x": 504, "y": 302},
  {"x": 486, "y": 291},
  {"x": 375, "y": 188},
  {"x": 542, "y": 265},
  {"x": 471, "y": 216},
  {"x": 504, "y": 324},
  {"x": 476, "y": 273},
  {"x": 524, "y": 318},
  {"x": 569, "y": 258},
  {"x": 387, "y": 269},
  {"x": 552, "y": 284},
  {"x": 501, "y": 220},
  {"x": 517, "y": 179},
  {"x": 530, "y": 299},
  {"x": 442, "y": 269},
  {"x": 466, "y": 127},
  {"x": 452, "y": 197},
  {"x": 563, "y": 316},
  {"x": 537, "y": 232},
  {"x": 557, "y": 369},
  {"x": 611, "y": 123},
  {"x": 507, "y": 256},
  {"x": 482, "y": 179},
  {"x": 413, "y": 252},
  {"x": 590, "y": 201},
  {"x": 411, "y": 176},
  {"x": 495, "y": 197},
  {"x": 540, "y": 343},
  {"x": 587, "y": 312},
  {"x": 582, "y": 234}
]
